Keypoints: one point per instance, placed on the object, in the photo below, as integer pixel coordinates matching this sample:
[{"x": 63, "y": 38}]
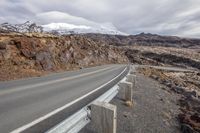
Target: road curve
[
  {"x": 167, "y": 68},
  {"x": 29, "y": 105}
]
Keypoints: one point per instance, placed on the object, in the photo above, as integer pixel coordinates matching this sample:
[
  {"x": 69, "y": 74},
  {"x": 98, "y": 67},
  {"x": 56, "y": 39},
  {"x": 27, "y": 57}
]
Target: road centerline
[{"x": 21, "y": 88}]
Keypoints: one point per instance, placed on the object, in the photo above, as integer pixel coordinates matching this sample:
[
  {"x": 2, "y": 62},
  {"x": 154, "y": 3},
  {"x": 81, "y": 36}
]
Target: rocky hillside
[
  {"x": 145, "y": 40},
  {"x": 34, "y": 55},
  {"x": 102, "y": 35},
  {"x": 164, "y": 56}
]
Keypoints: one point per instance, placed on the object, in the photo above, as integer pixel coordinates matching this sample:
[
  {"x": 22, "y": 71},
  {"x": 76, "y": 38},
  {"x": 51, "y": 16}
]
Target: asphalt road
[
  {"x": 26, "y": 104},
  {"x": 172, "y": 69}
]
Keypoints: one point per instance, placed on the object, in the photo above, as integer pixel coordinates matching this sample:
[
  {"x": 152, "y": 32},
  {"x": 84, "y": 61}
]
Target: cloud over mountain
[{"x": 171, "y": 17}]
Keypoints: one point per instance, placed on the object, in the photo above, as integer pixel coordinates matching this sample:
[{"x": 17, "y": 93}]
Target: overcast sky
[{"x": 168, "y": 17}]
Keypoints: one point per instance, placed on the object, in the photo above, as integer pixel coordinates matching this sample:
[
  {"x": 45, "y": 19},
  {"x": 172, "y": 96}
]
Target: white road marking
[
  {"x": 50, "y": 82},
  {"x": 23, "y": 128}
]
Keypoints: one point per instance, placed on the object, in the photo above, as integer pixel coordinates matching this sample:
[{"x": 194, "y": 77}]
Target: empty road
[{"x": 37, "y": 104}]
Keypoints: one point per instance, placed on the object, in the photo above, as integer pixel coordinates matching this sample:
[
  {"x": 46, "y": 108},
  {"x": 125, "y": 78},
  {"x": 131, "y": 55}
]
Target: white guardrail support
[
  {"x": 102, "y": 114},
  {"x": 127, "y": 88},
  {"x": 104, "y": 117}
]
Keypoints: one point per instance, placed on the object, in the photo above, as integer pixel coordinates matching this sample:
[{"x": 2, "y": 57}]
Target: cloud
[
  {"x": 61, "y": 17},
  {"x": 168, "y": 17}
]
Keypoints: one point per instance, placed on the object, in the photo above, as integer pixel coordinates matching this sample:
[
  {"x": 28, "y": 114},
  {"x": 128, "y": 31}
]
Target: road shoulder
[{"x": 154, "y": 110}]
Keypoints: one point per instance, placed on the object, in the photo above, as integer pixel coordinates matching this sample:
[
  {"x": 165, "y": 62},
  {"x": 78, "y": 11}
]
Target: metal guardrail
[{"x": 81, "y": 118}]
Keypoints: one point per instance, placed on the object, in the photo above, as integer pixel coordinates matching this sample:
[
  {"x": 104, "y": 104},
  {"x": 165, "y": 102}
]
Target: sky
[{"x": 165, "y": 17}]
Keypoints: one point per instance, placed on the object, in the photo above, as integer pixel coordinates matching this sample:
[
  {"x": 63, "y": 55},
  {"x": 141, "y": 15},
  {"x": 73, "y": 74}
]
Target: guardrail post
[
  {"x": 131, "y": 78},
  {"x": 132, "y": 70},
  {"x": 127, "y": 87},
  {"x": 104, "y": 117}
]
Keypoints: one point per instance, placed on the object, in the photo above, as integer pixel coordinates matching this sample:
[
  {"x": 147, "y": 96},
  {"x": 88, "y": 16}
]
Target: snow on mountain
[
  {"x": 28, "y": 27},
  {"x": 60, "y": 28},
  {"x": 21, "y": 28},
  {"x": 65, "y": 28}
]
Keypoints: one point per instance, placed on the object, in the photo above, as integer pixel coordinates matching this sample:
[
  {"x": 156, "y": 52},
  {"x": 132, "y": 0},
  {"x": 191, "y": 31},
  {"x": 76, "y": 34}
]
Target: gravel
[{"x": 154, "y": 110}]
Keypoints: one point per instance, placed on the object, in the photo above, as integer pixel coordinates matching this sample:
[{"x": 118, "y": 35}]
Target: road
[
  {"x": 172, "y": 69},
  {"x": 37, "y": 104}
]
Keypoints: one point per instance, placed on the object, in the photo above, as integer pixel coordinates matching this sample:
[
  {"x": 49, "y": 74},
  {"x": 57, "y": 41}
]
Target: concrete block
[
  {"x": 128, "y": 91},
  {"x": 131, "y": 78},
  {"x": 132, "y": 70},
  {"x": 104, "y": 117}
]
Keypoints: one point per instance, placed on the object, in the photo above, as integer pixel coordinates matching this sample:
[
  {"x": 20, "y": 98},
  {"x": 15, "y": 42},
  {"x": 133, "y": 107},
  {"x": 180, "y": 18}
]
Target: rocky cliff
[{"x": 34, "y": 55}]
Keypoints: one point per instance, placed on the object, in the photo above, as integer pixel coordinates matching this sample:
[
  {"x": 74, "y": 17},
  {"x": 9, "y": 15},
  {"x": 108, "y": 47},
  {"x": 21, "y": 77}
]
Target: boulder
[
  {"x": 65, "y": 56},
  {"x": 190, "y": 94},
  {"x": 17, "y": 43},
  {"x": 178, "y": 89},
  {"x": 45, "y": 60},
  {"x": 185, "y": 128},
  {"x": 27, "y": 53},
  {"x": 3, "y": 45}
]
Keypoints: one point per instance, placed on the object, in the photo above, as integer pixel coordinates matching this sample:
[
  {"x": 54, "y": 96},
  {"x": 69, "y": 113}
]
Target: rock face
[
  {"x": 2, "y": 45},
  {"x": 44, "y": 59},
  {"x": 24, "y": 54},
  {"x": 41, "y": 53}
]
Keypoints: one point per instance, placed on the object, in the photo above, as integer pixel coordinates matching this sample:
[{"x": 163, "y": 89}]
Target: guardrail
[{"x": 81, "y": 118}]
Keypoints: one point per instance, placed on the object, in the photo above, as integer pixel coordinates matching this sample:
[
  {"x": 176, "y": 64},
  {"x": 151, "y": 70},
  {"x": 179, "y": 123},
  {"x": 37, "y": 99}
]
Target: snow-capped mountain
[
  {"x": 65, "y": 28},
  {"x": 59, "y": 28},
  {"x": 29, "y": 27},
  {"x": 26, "y": 27}
]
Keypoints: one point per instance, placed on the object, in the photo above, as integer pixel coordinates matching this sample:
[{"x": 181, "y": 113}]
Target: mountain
[
  {"x": 26, "y": 27},
  {"x": 105, "y": 34},
  {"x": 145, "y": 39},
  {"x": 65, "y": 28},
  {"x": 58, "y": 28}
]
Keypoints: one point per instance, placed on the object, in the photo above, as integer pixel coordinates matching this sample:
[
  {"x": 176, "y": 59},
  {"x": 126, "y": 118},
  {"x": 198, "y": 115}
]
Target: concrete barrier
[
  {"x": 127, "y": 87},
  {"x": 132, "y": 70},
  {"x": 104, "y": 117},
  {"x": 131, "y": 78}
]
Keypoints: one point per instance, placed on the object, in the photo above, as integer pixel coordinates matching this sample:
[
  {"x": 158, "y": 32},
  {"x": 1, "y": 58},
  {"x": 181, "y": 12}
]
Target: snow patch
[
  {"x": 66, "y": 28},
  {"x": 62, "y": 26}
]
